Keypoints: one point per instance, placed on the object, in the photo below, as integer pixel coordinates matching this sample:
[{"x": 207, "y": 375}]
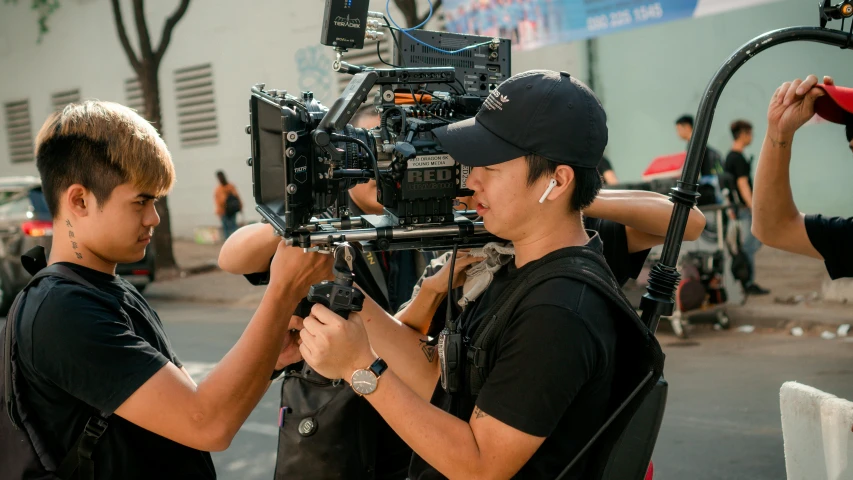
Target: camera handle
[{"x": 340, "y": 296}]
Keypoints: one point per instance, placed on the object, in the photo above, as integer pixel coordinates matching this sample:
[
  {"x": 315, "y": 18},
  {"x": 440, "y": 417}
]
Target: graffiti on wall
[{"x": 315, "y": 72}]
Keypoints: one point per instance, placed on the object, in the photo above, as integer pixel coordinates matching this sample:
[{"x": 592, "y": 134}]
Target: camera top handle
[
  {"x": 356, "y": 92},
  {"x": 663, "y": 278}
]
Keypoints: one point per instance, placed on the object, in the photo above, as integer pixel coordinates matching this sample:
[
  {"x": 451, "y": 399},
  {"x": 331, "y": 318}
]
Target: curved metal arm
[{"x": 663, "y": 278}]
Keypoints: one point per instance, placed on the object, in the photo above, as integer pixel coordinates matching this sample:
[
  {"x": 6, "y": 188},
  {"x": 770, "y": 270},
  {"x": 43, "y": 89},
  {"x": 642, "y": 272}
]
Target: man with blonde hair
[{"x": 98, "y": 350}]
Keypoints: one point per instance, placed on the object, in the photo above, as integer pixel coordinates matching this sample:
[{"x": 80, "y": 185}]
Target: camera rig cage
[{"x": 305, "y": 156}]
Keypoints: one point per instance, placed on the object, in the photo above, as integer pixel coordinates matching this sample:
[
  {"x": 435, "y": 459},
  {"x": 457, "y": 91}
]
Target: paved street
[{"x": 722, "y": 418}]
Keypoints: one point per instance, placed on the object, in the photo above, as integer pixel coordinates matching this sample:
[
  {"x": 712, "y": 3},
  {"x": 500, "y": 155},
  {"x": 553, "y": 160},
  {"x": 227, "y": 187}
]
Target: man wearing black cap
[
  {"x": 534, "y": 147},
  {"x": 777, "y": 222}
]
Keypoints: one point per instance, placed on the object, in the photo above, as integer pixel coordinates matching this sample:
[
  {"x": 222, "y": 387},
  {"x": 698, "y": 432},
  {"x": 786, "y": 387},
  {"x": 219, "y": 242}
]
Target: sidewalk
[
  {"x": 796, "y": 298},
  {"x": 795, "y": 283},
  {"x": 203, "y": 281}
]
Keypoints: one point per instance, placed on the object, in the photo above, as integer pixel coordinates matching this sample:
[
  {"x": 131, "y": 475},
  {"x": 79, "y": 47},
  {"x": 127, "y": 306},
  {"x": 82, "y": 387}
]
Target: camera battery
[{"x": 344, "y": 23}]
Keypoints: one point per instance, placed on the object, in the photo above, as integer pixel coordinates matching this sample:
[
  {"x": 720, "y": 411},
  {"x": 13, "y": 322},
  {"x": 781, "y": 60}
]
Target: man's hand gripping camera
[{"x": 339, "y": 296}]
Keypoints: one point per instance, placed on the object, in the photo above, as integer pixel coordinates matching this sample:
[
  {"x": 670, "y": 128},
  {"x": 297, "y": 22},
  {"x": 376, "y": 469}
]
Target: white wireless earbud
[{"x": 551, "y": 185}]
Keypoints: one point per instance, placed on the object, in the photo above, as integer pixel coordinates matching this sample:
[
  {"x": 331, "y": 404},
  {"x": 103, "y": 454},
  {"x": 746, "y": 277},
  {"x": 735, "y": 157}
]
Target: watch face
[{"x": 363, "y": 382}]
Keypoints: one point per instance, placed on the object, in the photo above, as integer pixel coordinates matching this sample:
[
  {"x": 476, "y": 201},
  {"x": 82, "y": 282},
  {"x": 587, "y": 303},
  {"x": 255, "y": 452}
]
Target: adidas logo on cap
[{"x": 495, "y": 101}]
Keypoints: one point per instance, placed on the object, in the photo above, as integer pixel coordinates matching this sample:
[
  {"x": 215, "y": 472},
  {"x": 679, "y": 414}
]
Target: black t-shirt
[
  {"x": 711, "y": 164},
  {"x": 83, "y": 351},
  {"x": 614, "y": 237},
  {"x": 622, "y": 263},
  {"x": 553, "y": 372},
  {"x": 737, "y": 166},
  {"x": 832, "y": 237}
]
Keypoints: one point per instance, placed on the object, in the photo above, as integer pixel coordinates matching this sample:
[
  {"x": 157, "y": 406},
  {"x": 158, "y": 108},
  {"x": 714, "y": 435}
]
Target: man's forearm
[
  {"x": 773, "y": 202},
  {"x": 442, "y": 440},
  {"x": 647, "y": 212},
  {"x": 403, "y": 348},
  {"x": 249, "y": 249},
  {"x": 236, "y": 385},
  {"x": 419, "y": 313}
]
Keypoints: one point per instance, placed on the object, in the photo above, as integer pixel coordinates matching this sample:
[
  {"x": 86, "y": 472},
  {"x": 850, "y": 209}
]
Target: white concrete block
[
  {"x": 816, "y": 427},
  {"x": 836, "y": 423}
]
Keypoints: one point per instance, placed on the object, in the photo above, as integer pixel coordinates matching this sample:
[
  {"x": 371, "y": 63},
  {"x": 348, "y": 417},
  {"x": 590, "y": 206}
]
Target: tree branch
[
  {"x": 435, "y": 6},
  {"x": 167, "y": 30},
  {"x": 409, "y": 11},
  {"x": 125, "y": 43},
  {"x": 142, "y": 29}
]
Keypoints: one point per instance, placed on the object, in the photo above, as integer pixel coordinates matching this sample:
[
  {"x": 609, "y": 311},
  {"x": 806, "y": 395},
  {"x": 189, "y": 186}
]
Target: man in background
[
  {"x": 711, "y": 169},
  {"x": 739, "y": 169},
  {"x": 605, "y": 168}
]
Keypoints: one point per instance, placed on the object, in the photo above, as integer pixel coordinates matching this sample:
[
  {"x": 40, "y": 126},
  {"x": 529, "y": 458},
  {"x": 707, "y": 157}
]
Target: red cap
[{"x": 835, "y": 105}]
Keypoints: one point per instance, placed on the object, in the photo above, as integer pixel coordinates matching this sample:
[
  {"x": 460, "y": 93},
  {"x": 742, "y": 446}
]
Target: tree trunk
[
  {"x": 149, "y": 81},
  {"x": 409, "y": 9}
]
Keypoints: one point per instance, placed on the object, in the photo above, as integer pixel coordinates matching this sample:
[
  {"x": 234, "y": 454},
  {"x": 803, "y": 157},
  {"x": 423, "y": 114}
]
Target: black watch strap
[{"x": 378, "y": 367}]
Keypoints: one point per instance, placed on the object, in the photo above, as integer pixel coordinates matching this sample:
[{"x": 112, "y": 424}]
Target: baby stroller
[
  {"x": 705, "y": 278},
  {"x": 705, "y": 264}
]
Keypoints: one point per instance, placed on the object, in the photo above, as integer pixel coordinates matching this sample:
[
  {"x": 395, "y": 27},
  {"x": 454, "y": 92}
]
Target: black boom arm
[{"x": 664, "y": 278}]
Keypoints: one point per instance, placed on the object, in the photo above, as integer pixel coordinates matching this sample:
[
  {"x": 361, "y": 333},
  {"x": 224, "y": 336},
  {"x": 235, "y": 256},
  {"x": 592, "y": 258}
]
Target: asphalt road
[{"x": 722, "y": 419}]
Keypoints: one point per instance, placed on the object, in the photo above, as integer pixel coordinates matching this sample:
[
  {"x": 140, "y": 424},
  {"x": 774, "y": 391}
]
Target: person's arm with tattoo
[
  {"x": 414, "y": 361},
  {"x": 776, "y": 220}
]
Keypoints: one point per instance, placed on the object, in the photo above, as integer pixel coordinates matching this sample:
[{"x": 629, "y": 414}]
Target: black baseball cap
[{"x": 541, "y": 112}]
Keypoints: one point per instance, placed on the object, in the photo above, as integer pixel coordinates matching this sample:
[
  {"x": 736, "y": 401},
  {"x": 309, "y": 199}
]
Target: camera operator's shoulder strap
[
  {"x": 587, "y": 266},
  {"x": 80, "y": 454}
]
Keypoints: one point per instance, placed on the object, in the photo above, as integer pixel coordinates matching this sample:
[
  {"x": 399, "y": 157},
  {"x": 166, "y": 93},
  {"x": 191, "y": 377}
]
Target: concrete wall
[
  {"x": 271, "y": 41},
  {"x": 244, "y": 46},
  {"x": 645, "y": 77},
  {"x": 649, "y": 77}
]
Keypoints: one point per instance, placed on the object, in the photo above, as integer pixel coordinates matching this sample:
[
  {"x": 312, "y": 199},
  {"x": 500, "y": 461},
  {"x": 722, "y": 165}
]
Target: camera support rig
[
  {"x": 339, "y": 296},
  {"x": 384, "y": 232},
  {"x": 663, "y": 279}
]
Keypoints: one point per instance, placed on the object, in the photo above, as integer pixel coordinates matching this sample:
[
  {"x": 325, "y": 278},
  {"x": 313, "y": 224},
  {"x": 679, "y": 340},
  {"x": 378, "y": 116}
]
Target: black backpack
[
  {"x": 23, "y": 454},
  {"x": 233, "y": 206},
  {"x": 326, "y": 430},
  {"x": 622, "y": 447}
]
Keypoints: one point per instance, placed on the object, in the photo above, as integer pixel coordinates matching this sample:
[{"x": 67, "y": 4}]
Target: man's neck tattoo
[{"x": 73, "y": 243}]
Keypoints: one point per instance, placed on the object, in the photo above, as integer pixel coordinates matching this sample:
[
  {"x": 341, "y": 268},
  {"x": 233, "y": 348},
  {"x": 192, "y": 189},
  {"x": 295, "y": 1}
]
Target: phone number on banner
[{"x": 628, "y": 16}]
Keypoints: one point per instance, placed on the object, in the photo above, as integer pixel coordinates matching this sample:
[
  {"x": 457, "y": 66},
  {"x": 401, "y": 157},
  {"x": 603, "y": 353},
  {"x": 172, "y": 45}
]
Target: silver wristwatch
[{"x": 365, "y": 380}]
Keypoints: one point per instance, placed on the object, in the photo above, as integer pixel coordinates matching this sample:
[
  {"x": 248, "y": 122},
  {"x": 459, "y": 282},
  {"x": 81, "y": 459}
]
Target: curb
[
  {"x": 202, "y": 268},
  {"x": 785, "y": 317},
  {"x": 251, "y": 300}
]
